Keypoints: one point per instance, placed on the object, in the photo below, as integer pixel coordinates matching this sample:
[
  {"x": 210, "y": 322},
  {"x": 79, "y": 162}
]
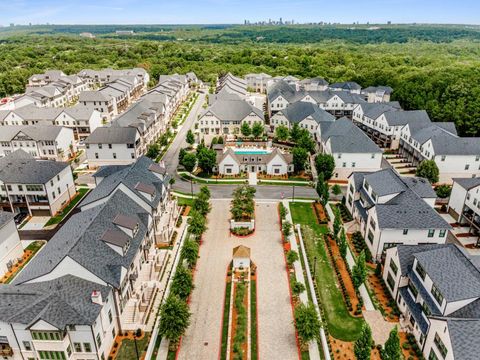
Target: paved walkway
[{"x": 275, "y": 321}]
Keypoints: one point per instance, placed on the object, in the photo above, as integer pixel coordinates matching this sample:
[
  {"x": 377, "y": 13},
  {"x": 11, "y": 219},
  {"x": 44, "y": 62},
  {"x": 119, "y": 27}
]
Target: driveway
[{"x": 275, "y": 321}]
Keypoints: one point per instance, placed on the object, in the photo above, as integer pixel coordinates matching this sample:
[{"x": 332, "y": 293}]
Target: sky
[{"x": 236, "y": 11}]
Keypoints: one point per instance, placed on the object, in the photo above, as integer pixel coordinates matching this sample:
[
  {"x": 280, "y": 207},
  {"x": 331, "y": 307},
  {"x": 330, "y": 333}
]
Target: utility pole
[{"x": 293, "y": 195}]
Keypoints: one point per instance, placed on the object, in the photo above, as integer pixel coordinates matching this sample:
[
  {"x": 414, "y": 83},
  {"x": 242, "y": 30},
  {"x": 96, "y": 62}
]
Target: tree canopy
[{"x": 429, "y": 170}]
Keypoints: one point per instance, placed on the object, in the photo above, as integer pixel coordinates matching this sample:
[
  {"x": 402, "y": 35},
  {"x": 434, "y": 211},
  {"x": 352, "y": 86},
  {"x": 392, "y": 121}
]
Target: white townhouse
[
  {"x": 351, "y": 149},
  {"x": 100, "y": 78},
  {"x": 306, "y": 115},
  {"x": 104, "y": 103},
  {"x": 67, "y": 317},
  {"x": 232, "y": 84},
  {"x": 113, "y": 145},
  {"x": 391, "y": 210},
  {"x": 377, "y": 94},
  {"x": 111, "y": 242},
  {"x": 73, "y": 83},
  {"x": 271, "y": 162},
  {"x": 437, "y": 290},
  {"x": 34, "y": 187},
  {"x": 289, "y": 79},
  {"x": 181, "y": 82},
  {"x": 258, "y": 82},
  {"x": 226, "y": 117},
  {"x": 42, "y": 142},
  {"x": 314, "y": 84},
  {"x": 82, "y": 119},
  {"x": 279, "y": 95},
  {"x": 348, "y": 86},
  {"x": 464, "y": 204},
  {"x": 455, "y": 156},
  {"x": 10, "y": 245}
]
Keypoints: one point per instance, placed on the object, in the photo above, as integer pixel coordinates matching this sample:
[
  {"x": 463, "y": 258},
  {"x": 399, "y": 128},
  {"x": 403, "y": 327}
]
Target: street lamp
[
  {"x": 191, "y": 185},
  {"x": 293, "y": 195}
]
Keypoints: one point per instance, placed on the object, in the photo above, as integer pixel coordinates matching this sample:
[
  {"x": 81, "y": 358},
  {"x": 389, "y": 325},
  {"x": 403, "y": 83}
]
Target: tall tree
[
  {"x": 207, "y": 159},
  {"x": 391, "y": 350},
  {"x": 257, "y": 129},
  {"x": 325, "y": 164},
  {"x": 342, "y": 244},
  {"x": 190, "y": 252},
  {"x": 281, "y": 132},
  {"x": 300, "y": 157},
  {"x": 245, "y": 129},
  {"x": 190, "y": 138},
  {"x": 174, "y": 319},
  {"x": 307, "y": 322},
  {"x": 196, "y": 223},
  {"x": 337, "y": 222},
  {"x": 429, "y": 170},
  {"x": 305, "y": 141},
  {"x": 189, "y": 161},
  {"x": 359, "y": 271},
  {"x": 363, "y": 345},
  {"x": 182, "y": 283},
  {"x": 295, "y": 133}
]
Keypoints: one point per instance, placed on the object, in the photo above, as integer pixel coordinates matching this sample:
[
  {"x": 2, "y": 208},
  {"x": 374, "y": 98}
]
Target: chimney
[{"x": 97, "y": 297}]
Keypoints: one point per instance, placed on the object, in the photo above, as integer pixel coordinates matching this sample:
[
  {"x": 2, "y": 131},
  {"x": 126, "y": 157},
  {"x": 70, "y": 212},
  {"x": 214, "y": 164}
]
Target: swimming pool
[{"x": 251, "y": 152}]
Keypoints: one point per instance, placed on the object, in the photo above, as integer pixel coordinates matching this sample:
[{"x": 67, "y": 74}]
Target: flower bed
[
  {"x": 242, "y": 231},
  {"x": 239, "y": 331},
  {"x": 322, "y": 216}
]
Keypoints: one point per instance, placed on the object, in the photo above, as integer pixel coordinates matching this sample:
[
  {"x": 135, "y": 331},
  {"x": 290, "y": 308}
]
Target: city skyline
[{"x": 24, "y": 12}]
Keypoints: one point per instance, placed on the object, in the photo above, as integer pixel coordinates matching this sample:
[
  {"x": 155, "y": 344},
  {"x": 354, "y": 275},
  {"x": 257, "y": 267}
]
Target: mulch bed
[
  {"x": 383, "y": 297},
  {"x": 16, "y": 266},
  {"x": 118, "y": 340},
  {"x": 320, "y": 212},
  {"x": 343, "y": 350},
  {"x": 186, "y": 211}
]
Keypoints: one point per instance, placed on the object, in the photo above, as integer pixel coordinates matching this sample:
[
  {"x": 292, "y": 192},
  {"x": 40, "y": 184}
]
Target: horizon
[{"x": 235, "y": 12}]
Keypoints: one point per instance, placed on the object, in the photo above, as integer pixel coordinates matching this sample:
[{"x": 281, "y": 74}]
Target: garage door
[
  {"x": 453, "y": 213},
  {"x": 41, "y": 212}
]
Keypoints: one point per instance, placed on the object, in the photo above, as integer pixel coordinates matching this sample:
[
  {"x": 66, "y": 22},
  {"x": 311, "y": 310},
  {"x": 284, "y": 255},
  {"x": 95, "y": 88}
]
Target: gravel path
[{"x": 275, "y": 321}]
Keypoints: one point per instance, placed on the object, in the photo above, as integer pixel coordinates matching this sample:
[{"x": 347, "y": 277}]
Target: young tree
[
  {"x": 443, "y": 191},
  {"x": 305, "y": 141},
  {"x": 336, "y": 189},
  {"x": 182, "y": 283},
  {"x": 337, "y": 222},
  {"x": 300, "y": 156},
  {"x": 391, "y": 350},
  {"x": 286, "y": 229},
  {"x": 214, "y": 141},
  {"x": 207, "y": 159},
  {"x": 220, "y": 140},
  {"x": 206, "y": 191},
  {"x": 196, "y": 223},
  {"x": 428, "y": 169},
  {"x": 363, "y": 345},
  {"x": 190, "y": 252},
  {"x": 245, "y": 129},
  {"x": 257, "y": 129},
  {"x": 174, "y": 319},
  {"x": 189, "y": 161},
  {"x": 295, "y": 133},
  {"x": 292, "y": 256},
  {"x": 307, "y": 322},
  {"x": 201, "y": 204},
  {"x": 359, "y": 271},
  {"x": 181, "y": 154},
  {"x": 283, "y": 211},
  {"x": 297, "y": 287},
  {"x": 342, "y": 244},
  {"x": 153, "y": 151},
  {"x": 190, "y": 138},
  {"x": 325, "y": 164},
  {"x": 322, "y": 190},
  {"x": 281, "y": 132}
]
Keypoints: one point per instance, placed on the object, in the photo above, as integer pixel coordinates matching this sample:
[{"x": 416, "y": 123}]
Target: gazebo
[{"x": 241, "y": 257}]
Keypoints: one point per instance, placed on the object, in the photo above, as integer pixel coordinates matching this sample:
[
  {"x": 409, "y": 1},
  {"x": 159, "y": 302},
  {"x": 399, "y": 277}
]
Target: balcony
[{"x": 5, "y": 348}]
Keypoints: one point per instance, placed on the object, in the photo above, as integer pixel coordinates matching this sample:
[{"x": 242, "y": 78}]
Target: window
[
  {"x": 442, "y": 233},
  {"x": 58, "y": 177},
  {"x": 51, "y": 182},
  {"x": 77, "y": 347},
  {"x": 467, "y": 167},
  {"x": 390, "y": 282},
  {"x": 34, "y": 187},
  {"x": 114, "y": 155},
  {"x": 87, "y": 347},
  {"x": 344, "y": 164},
  {"x": 58, "y": 190},
  {"x": 425, "y": 309},
  {"x": 432, "y": 355},
  {"x": 27, "y": 345},
  {"x": 420, "y": 271},
  {"x": 405, "y": 231},
  {"x": 69, "y": 350},
  {"x": 99, "y": 340},
  {"x": 87, "y": 146},
  {"x": 110, "y": 316},
  {"x": 113, "y": 333},
  {"x": 96, "y": 155},
  {"x": 339, "y": 156},
  {"x": 109, "y": 146},
  {"x": 370, "y": 236},
  {"x": 394, "y": 267},
  {"x": 440, "y": 345},
  {"x": 431, "y": 232},
  {"x": 353, "y": 164},
  {"x": 413, "y": 289},
  {"x": 443, "y": 157},
  {"x": 20, "y": 188},
  {"x": 100, "y": 146},
  {"x": 53, "y": 194},
  {"x": 437, "y": 295},
  {"x": 372, "y": 223},
  {"x": 132, "y": 155}
]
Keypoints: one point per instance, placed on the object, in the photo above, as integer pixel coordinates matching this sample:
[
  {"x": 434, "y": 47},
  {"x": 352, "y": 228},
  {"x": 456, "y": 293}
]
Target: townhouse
[
  {"x": 73, "y": 85},
  {"x": 42, "y": 142},
  {"x": 289, "y": 80},
  {"x": 66, "y": 317},
  {"x": 351, "y": 149},
  {"x": 437, "y": 290},
  {"x": 226, "y": 117},
  {"x": 110, "y": 243},
  {"x": 391, "y": 209},
  {"x": 464, "y": 204},
  {"x": 182, "y": 84},
  {"x": 34, "y": 187},
  {"x": 377, "y": 94},
  {"x": 232, "y": 84},
  {"x": 99, "y": 78},
  {"x": 113, "y": 145},
  {"x": 10, "y": 244},
  {"x": 349, "y": 86},
  {"x": 455, "y": 156},
  {"x": 314, "y": 84},
  {"x": 271, "y": 162},
  {"x": 338, "y": 103},
  {"x": 258, "y": 82},
  {"x": 306, "y": 114},
  {"x": 175, "y": 89},
  {"x": 81, "y": 119}
]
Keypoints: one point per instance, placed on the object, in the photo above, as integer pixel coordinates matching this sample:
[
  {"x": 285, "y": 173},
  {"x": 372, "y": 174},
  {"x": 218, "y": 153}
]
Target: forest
[{"x": 429, "y": 67}]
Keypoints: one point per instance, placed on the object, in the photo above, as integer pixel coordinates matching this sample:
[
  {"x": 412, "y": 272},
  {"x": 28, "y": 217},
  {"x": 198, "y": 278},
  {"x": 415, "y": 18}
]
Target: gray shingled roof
[
  {"x": 300, "y": 110},
  {"x": 374, "y": 110},
  {"x": 280, "y": 88},
  {"x": 35, "y": 132},
  {"x": 464, "y": 338},
  {"x": 235, "y": 110},
  {"x": 385, "y": 182},
  {"x": 112, "y": 135},
  {"x": 347, "y": 85},
  {"x": 406, "y": 254},
  {"x": 22, "y": 168},
  {"x": 400, "y": 118},
  {"x": 345, "y": 137},
  {"x": 5, "y": 218},
  {"x": 468, "y": 183},
  {"x": 130, "y": 176},
  {"x": 81, "y": 240},
  {"x": 451, "y": 271},
  {"x": 60, "y": 302}
]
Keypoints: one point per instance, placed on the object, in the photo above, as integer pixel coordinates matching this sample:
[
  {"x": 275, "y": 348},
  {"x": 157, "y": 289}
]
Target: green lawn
[
  {"x": 127, "y": 348},
  {"x": 341, "y": 324},
  {"x": 253, "y": 323},
  {"x": 284, "y": 183},
  {"x": 59, "y": 217},
  {"x": 184, "y": 201},
  {"x": 226, "y": 314}
]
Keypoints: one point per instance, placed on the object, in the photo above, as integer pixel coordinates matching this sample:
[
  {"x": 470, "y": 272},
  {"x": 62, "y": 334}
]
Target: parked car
[{"x": 19, "y": 218}]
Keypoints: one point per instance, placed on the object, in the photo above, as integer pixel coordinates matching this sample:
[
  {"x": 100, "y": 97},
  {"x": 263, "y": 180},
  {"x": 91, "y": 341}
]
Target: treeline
[{"x": 442, "y": 78}]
